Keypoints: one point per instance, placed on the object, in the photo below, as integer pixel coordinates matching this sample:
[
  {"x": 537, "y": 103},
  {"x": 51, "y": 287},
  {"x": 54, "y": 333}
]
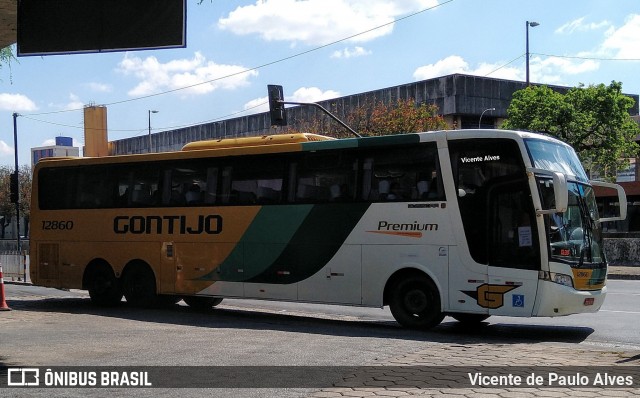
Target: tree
[
  {"x": 377, "y": 118},
  {"x": 7, "y": 208},
  {"x": 6, "y": 56},
  {"x": 594, "y": 120}
]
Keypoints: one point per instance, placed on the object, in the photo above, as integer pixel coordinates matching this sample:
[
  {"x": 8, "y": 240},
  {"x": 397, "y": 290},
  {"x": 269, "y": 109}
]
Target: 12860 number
[{"x": 57, "y": 225}]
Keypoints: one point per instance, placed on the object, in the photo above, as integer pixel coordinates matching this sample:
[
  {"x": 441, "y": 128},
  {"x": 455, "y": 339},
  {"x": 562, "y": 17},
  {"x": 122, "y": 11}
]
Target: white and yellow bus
[{"x": 465, "y": 223}]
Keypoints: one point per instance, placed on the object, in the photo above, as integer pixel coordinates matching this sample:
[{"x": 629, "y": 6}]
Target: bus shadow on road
[{"x": 449, "y": 331}]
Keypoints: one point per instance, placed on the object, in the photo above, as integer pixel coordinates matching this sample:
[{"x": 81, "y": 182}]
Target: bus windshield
[
  {"x": 555, "y": 157},
  {"x": 575, "y": 235}
]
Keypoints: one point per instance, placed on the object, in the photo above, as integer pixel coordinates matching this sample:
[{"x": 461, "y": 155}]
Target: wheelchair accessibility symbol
[{"x": 518, "y": 300}]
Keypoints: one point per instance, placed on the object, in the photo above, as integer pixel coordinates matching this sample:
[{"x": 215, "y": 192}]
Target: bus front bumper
[{"x": 558, "y": 300}]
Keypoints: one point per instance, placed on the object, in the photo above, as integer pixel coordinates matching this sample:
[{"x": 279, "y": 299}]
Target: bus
[{"x": 464, "y": 223}]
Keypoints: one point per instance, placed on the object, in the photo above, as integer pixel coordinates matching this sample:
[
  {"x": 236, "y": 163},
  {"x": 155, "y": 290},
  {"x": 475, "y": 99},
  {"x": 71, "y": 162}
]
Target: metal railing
[{"x": 14, "y": 265}]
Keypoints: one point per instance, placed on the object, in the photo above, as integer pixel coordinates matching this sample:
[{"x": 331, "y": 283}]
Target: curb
[
  {"x": 617, "y": 277},
  {"x": 18, "y": 283}
]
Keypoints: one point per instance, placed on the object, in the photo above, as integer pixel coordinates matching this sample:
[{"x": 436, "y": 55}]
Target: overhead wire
[
  {"x": 505, "y": 65},
  {"x": 262, "y": 66},
  {"x": 139, "y": 130},
  {"x": 284, "y": 59},
  {"x": 562, "y": 56},
  {"x": 587, "y": 58}
]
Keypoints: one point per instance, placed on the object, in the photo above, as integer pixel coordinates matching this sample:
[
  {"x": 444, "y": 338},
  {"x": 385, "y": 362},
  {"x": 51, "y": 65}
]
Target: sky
[{"x": 315, "y": 49}]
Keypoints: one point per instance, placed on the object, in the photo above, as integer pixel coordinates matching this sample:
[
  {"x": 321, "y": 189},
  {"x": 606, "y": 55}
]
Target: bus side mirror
[
  {"x": 560, "y": 191},
  {"x": 276, "y": 105},
  {"x": 622, "y": 200}
]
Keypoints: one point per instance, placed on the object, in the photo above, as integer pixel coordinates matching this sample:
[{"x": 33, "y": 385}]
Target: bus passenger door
[
  {"x": 496, "y": 209},
  {"x": 514, "y": 251},
  {"x": 467, "y": 281}
]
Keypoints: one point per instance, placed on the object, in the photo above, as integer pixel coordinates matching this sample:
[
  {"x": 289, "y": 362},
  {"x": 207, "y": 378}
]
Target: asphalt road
[
  {"x": 615, "y": 325},
  {"x": 48, "y": 327}
]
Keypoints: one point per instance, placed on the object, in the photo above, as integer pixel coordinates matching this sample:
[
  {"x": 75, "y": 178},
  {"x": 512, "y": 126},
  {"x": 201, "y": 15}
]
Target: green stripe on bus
[
  {"x": 396, "y": 139},
  {"x": 262, "y": 243},
  {"x": 317, "y": 240},
  {"x": 329, "y": 144},
  {"x": 365, "y": 142}
]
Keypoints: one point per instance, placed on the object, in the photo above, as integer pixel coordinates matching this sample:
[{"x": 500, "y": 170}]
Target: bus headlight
[{"x": 561, "y": 279}]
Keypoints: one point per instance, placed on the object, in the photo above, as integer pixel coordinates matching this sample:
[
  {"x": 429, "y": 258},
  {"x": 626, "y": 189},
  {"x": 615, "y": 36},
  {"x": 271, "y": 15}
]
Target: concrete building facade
[
  {"x": 461, "y": 99},
  {"x": 63, "y": 147}
]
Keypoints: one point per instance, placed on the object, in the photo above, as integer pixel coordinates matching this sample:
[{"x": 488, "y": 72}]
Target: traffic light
[
  {"x": 14, "y": 188},
  {"x": 276, "y": 105}
]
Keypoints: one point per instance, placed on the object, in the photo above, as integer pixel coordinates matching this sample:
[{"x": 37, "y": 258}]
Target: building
[
  {"x": 63, "y": 147},
  {"x": 464, "y": 101}
]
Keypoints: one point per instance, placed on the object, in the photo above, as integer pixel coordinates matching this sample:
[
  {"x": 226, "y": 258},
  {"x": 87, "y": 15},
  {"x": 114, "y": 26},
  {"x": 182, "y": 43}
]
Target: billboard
[{"x": 88, "y": 26}]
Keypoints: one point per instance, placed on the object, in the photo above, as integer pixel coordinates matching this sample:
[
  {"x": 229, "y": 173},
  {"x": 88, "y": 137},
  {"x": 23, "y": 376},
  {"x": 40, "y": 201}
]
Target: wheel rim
[
  {"x": 139, "y": 288},
  {"x": 416, "y": 301}
]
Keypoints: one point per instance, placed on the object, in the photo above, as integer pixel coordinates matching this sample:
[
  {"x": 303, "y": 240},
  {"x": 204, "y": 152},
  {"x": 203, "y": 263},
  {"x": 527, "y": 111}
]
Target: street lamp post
[
  {"x": 150, "y": 112},
  {"x": 533, "y": 25},
  {"x": 482, "y": 114}
]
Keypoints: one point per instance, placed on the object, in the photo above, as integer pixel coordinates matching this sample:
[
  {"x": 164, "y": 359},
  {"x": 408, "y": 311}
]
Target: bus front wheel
[
  {"x": 415, "y": 303},
  {"x": 103, "y": 285},
  {"x": 202, "y": 303},
  {"x": 469, "y": 319},
  {"x": 139, "y": 286}
]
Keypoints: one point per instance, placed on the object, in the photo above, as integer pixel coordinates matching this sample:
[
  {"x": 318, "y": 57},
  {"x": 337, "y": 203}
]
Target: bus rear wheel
[
  {"x": 139, "y": 286},
  {"x": 104, "y": 288},
  {"x": 202, "y": 303},
  {"x": 415, "y": 303}
]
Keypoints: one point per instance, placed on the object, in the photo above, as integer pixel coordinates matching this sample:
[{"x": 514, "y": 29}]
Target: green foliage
[
  {"x": 594, "y": 120},
  {"x": 404, "y": 117},
  {"x": 8, "y": 209},
  {"x": 377, "y": 118},
  {"x": 7, "y": 56}
]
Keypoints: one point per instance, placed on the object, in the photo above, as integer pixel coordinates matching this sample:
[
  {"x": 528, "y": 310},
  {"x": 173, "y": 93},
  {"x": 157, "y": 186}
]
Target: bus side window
[
  {"x": 257, "y": 180},
  {"x": 93, "y": 189},
  {"x": 402, "y": 174},
  {"x": 189, "y": 183},
  {"x": 210, "y": 194},
  {"x": 135, "y": 185},
  {"x": 326, "y": 177}
]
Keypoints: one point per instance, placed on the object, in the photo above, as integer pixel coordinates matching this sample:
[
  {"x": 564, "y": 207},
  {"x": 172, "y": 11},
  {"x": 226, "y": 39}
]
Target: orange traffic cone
[{"x": 3, "y": 302}]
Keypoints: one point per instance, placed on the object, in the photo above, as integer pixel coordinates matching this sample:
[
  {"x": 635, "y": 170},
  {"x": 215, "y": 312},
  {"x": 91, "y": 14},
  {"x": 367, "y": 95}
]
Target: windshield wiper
[{"x": 587, "y": 229}]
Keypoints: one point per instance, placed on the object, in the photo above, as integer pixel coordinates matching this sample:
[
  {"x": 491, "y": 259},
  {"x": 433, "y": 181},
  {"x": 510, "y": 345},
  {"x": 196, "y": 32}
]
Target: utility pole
[{"x": 15, "y": 145}]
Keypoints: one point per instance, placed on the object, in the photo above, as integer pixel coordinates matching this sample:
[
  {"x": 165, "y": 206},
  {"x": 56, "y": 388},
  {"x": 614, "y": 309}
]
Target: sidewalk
[
  {"x": 624, "y": 272},
  {"x": 444, "y": 370},
  {"x": 417, "y": 373}
]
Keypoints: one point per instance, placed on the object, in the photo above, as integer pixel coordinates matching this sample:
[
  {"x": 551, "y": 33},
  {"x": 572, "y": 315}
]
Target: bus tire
[
  {"x": 201, "y": 303},
  {"x": 139, "y": 285},
  {"x": 168, "y": 300},
  {"x": 104, "y": 288},
  {"x": 469, "y": 319},
  {"x": 415, "y": 303}
]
